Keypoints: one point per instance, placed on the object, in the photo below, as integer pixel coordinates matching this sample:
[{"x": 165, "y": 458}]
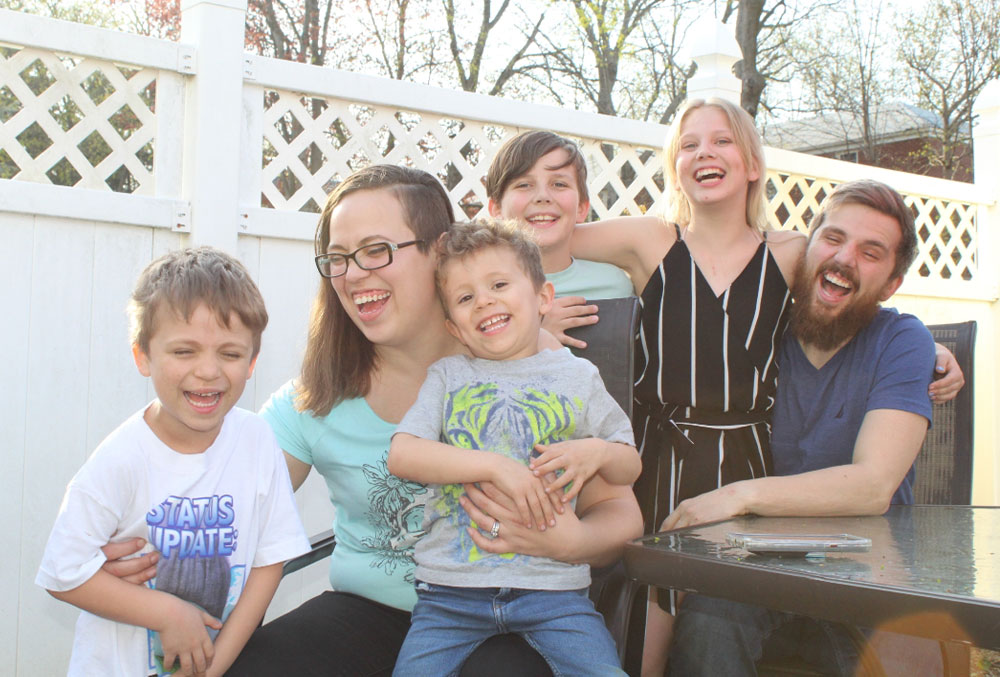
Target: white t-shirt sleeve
[
  {"x": 282, "y": 536},
  {"x": 89, "y": 517}
]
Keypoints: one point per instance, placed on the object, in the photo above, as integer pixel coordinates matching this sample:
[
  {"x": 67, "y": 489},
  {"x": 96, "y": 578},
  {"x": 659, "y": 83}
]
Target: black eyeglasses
[{"x": 370, "y": 257}]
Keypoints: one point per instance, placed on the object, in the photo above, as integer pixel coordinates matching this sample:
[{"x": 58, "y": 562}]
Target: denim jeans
[
  {"x": 449, "y": 623},
  {"x": 721, "y": 637}
]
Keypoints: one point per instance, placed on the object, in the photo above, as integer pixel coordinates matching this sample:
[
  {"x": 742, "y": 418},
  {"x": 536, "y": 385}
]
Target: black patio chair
[
  {"x": 610, "y": 348},
  {"x": 944, "y": 465}
]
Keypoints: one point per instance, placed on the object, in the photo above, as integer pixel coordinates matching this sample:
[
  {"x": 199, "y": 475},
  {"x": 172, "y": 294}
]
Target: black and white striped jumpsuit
[{"x": 705, "y": 378}]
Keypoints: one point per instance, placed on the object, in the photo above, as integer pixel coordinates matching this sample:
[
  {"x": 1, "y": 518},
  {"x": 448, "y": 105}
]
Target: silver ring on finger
[{"x": 495, "y": 531}]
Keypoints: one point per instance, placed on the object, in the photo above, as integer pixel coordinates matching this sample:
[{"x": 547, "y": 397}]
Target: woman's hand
[
  {"x": 134, "y": 569},
  {"x": 486, "y": 503},
  {"x": 606, "y": 517},
  {"x": 532, "y": 504}
]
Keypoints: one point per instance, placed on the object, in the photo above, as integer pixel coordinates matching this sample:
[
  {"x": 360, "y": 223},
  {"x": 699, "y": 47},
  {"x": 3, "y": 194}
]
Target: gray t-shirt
[{"x": 507, "y": 407}]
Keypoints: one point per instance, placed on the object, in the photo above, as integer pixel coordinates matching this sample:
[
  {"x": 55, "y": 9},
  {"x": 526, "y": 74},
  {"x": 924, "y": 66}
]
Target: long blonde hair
[
  {"x": 339, "y": 359},
  {"x": 751, "y": 150}
]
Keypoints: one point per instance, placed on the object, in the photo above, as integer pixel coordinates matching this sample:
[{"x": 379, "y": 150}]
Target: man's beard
[{"x": 827, "y": 332}]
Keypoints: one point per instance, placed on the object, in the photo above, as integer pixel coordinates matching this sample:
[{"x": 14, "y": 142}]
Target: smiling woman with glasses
[
  {"x": 369, "y": 257},
  {"x": 372, "y": 336}
]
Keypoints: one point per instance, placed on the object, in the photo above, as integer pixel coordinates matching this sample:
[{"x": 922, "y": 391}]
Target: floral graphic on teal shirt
[{"x": 396, "y": 514}]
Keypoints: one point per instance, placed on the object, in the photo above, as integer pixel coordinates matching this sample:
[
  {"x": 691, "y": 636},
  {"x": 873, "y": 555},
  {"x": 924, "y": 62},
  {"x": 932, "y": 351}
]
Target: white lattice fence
[
  {"x": 311, "y": 143},
  {"x": 75, "y": 121},
  {"x": 949, "y": 246}
]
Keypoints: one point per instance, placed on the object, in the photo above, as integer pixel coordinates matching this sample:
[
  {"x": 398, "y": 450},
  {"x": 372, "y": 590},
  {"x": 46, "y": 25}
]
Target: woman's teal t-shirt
[{"x": 378, "y": 516}]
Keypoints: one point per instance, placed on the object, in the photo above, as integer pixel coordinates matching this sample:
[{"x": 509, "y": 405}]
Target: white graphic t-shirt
[{"x": 212, "y": 516}]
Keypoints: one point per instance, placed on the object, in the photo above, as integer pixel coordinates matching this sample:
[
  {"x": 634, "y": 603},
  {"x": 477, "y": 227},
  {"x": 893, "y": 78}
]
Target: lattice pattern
[
  {"x": 73, "y": 121},
  {"x": 947, "y": 232},
  {"x": 792, "y": 200},
  {"x": 69, "y": 120},
  {"x": 310, "y": 144}
]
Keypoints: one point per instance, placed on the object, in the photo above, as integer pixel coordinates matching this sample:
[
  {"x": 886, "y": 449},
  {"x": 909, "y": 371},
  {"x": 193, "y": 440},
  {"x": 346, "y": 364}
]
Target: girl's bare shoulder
[
  {"x": 787, "y": 247},
  {"x": 785, "y": 237}
]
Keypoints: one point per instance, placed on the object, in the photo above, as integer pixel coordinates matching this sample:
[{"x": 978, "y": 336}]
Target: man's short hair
[
  {"x": 519, "y": 154},
  {"x": 883, "y": 199},
  {"x": 182, "y": 280},
  {"x": 467, "y": 239}
]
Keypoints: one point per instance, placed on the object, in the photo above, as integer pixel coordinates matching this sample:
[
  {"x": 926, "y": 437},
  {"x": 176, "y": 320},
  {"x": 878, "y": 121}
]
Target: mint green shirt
[{"x": 591, "y": 280}]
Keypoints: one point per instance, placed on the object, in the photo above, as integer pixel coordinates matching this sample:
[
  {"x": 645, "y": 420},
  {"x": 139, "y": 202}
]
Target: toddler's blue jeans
[{"x": 449, "y": 623}]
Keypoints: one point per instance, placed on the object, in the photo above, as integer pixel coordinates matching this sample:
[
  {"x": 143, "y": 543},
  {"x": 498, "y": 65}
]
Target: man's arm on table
[{"x": 887, "y": 444}]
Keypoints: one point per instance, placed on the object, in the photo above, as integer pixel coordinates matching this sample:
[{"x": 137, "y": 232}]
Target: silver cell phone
[{"x": 799, "y": 543}]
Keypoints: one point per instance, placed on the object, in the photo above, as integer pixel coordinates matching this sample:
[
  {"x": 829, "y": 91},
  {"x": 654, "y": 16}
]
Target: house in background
[{"x": 904, "y": 138}]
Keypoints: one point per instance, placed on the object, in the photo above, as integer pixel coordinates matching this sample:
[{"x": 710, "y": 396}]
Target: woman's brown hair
[{"x": 339, "y": 360}]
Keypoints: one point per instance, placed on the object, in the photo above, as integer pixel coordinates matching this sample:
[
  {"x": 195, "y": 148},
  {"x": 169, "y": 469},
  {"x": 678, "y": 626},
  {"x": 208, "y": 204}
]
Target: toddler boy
[
  {"x": 202, "y": 482},
  {"x": 484, "y": 418},
  {"x": 540, "y": 179}
]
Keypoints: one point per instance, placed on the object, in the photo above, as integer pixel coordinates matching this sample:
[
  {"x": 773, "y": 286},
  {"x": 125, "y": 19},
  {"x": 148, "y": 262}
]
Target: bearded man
[{"x": 850, "y": 416}]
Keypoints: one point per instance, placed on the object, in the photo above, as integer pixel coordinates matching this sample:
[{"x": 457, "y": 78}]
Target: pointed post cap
[
  {"x": 708, "y": 36},
  {"x": 714, "y": 48},
  {"x": 986, "y": 112}
]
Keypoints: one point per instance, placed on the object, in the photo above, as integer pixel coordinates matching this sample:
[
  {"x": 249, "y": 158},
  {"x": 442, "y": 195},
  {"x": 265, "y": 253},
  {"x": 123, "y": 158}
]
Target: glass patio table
[{"x": 932, "y": 571}]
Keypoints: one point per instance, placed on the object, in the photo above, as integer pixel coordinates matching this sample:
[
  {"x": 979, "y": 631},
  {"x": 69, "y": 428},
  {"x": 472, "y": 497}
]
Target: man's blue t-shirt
[{"x": 818, "y": 412}]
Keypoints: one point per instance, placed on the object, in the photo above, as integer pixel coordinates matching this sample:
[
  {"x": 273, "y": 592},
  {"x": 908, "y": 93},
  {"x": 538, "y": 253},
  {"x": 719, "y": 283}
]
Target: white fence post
[
  {"x": 986, "y": 149},
  {"x": 213, "y": 104},
  {"x": 714, "y": 48}
]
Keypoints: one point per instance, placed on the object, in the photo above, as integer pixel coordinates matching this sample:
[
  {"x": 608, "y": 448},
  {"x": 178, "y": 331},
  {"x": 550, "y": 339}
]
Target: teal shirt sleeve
[{"x": 288, "y": 423}]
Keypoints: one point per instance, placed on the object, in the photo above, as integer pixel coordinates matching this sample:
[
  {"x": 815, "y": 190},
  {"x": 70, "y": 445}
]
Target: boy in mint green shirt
[{"x": 540, "y": 179}]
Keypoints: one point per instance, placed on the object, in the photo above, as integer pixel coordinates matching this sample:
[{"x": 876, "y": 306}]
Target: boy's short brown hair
[
  {"x": 183, "y": 279},
  {"x": 519, "y": 154},
  {"x": 466, "y": 239}
]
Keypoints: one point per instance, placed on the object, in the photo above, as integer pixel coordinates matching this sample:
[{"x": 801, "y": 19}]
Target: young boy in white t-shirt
[{"x": 204, "y": 483}]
